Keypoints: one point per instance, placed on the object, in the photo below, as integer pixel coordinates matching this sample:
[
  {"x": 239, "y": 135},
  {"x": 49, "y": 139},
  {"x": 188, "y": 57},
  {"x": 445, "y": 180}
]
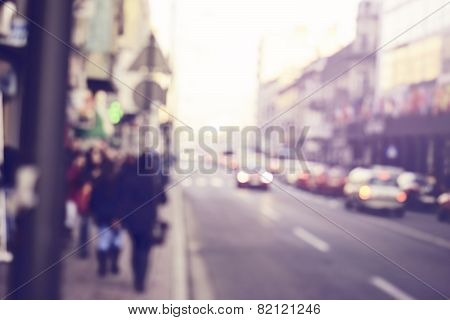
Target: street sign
[{"x": 148, "y": 92}]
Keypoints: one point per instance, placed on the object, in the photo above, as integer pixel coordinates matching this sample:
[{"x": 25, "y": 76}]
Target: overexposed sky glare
[{"x": 215, "y": 45}]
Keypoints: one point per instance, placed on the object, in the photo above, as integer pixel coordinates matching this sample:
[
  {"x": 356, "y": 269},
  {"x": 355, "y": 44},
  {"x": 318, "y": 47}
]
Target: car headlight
[
  {"x": 242, "y": 177},
  {"x": 266, "y": 177},
  {"x": 365, "y": 193}
]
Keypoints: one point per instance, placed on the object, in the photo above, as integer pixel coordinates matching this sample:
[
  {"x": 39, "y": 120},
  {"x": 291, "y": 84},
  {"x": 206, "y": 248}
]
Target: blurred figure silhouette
[
  {"x": 140, "y": 193},
  {"x": 104, "y": 207}
]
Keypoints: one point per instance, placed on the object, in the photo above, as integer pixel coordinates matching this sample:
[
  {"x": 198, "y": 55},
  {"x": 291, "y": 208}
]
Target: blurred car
[
  {"x": 356, "y": 178},
  {"x": 375, "y": 189},
  {"x": 301, "y": 179},
  {"x": 419, "y": 188},
  {"x": 253, "y": 178},
  {"x": 336, "y": 177},
  {"x": 316, "y": 179},
  {"x": 443, "y": 202},
  {"x": 383, "y": 171},
  {"x": 312, "y": 177}
]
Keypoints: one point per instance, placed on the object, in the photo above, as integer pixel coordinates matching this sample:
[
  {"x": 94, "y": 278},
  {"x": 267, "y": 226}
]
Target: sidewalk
[{"x": 80, "y": 280}]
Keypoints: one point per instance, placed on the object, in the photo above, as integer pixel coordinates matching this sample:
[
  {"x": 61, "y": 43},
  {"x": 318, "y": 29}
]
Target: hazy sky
[{"x": 216, "y": 48}]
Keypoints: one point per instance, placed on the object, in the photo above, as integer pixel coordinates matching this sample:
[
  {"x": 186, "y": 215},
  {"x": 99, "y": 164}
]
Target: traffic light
[{"x": 115, "y": 112}]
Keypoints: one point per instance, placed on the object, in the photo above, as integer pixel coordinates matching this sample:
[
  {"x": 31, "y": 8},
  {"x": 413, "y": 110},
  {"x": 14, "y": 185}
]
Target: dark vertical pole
[
  {"x": 150, "y": 65},
  {"x": 34, "y": 274}
]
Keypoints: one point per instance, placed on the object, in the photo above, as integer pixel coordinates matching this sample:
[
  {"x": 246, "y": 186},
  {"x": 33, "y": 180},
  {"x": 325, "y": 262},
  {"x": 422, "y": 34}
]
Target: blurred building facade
[
  {"x": 119, "y": 77},
  {"x": 96, "y": 30},
  {"x": 407, "y": 124},
  {"x": 349, "y": 80},
  {"x": 115, "y": 68},
  {"x": 327, "y": 92},
  {"x": 13, "y": 37},
  {"x": 367, "y": 106},
  {"x": 266, "y": 109}
]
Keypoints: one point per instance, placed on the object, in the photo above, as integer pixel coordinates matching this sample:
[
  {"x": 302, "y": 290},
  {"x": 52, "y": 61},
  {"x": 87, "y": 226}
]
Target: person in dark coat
[
  {"x": 140, "y": 192},
  {"x": 104, "y": 202}
]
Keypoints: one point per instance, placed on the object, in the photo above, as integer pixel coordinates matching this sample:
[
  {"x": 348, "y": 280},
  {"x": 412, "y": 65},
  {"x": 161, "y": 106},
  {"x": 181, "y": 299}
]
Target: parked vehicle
[
  {"x": 311, "y": 177},
  {"x": 375, "y": 189},
  {"x": 336, "y": 177},
  {"x": 443, "y": 202},
  {"x": 419, "y": 188},
  {"x": 301, "y": 179},
  {"x": 382, "y": 170},
  {"x": 357, "y": 178},
  {"x": 317, "y": 178}
]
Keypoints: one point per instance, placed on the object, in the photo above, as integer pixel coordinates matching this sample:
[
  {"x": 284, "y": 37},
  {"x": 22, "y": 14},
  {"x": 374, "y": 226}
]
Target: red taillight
[
  {"x": 304, "y": 176},
  {"x": 401, "y": 197}
]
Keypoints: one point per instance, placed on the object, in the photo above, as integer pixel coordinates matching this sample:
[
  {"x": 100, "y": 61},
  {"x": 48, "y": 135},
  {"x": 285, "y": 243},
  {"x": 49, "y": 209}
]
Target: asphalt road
[{"x": 290, "y": 244}]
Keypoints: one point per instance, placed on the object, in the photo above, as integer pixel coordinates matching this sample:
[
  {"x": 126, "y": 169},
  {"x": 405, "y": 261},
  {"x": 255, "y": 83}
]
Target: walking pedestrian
[
  {"x": 140, "y": 194},
  {"x": 104, "y": 202}
]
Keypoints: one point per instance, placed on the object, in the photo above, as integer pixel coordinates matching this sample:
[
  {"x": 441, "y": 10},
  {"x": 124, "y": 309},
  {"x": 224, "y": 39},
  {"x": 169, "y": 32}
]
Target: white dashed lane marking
[
  {"x": 389, "y": 288},
  {"x": 270, "y": 213},
  {"x": 311, "y": 239}
]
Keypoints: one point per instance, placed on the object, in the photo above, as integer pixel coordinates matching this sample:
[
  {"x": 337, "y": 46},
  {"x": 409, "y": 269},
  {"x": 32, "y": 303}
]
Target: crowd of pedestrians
[{"x": 117, "y": 192}]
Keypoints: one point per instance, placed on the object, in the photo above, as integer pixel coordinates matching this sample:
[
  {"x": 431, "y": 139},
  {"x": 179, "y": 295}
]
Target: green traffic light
[{"x": 115, "y": 112}]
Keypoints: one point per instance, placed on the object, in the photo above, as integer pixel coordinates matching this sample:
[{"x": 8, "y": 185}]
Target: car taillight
[
  {"x": 365, "y": 193},
  {"x": 401, "y": 197},
  {"x": 304, "y": 176}
]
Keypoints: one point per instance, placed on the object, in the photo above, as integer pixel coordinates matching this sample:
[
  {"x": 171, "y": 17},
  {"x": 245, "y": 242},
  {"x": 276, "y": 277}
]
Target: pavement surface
[{"x": 80, "y": 280}]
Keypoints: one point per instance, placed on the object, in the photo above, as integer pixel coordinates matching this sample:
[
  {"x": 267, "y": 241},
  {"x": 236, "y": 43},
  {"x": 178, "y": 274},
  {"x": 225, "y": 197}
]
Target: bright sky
[{"x": 216, "y": 44}]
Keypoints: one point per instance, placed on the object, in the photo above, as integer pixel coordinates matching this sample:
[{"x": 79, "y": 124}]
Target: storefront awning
[{"x": 99, "y": 84}]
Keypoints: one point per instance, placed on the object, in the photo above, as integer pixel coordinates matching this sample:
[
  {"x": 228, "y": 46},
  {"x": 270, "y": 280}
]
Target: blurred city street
[
  {"x": 283, "y": 243},
  {"x": 223, "y": 149},
  {"x": 268, "y": 245}
]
